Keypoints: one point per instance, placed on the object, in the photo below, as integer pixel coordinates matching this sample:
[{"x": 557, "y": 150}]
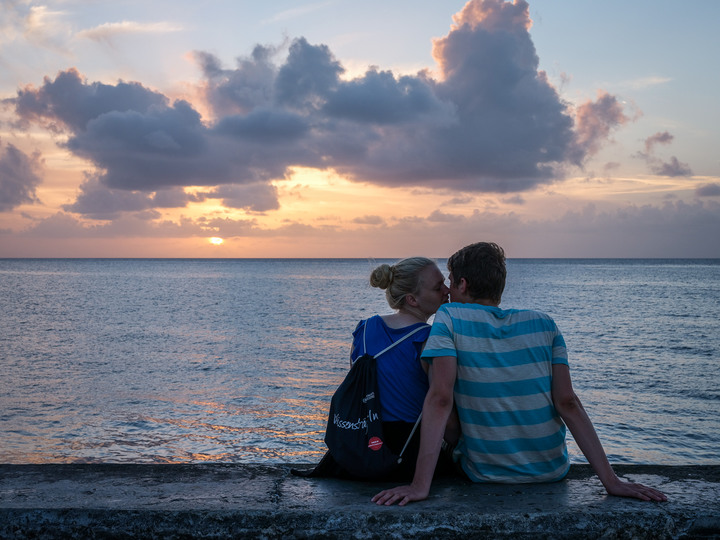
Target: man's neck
[{"x": 484, "y": 302}]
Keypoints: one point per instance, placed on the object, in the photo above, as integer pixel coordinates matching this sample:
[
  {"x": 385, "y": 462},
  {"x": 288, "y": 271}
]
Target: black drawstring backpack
[{"x": 354, "y": 434}]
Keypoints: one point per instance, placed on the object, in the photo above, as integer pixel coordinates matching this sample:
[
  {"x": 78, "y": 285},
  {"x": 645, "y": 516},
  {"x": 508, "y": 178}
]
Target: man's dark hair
[{"x": 483, "y": 267}]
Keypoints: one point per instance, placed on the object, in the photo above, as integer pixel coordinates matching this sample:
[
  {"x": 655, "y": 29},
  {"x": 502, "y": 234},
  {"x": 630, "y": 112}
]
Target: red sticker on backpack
[{"x": 375, "y": 443}]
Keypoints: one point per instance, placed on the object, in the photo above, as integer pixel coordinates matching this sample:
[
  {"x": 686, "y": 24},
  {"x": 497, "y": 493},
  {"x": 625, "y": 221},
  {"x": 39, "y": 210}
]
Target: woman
[{"x": 415, "y": 289}]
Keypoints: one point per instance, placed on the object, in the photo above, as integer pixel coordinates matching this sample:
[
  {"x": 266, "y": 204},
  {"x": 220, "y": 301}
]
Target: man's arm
[
  {"x": 578, "y": 422},
  {"x": 436, "y": 410}
]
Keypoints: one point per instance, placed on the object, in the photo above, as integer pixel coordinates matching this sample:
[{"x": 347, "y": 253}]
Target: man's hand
[
  {"x": 401, "y": 495},
  {"x": 620, "y": 488},
  {"x": 436, "y": 410}
]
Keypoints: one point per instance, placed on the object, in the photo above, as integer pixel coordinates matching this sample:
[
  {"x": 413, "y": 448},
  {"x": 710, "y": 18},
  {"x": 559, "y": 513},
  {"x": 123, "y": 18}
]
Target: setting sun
[{"x": 216, "y": 241}]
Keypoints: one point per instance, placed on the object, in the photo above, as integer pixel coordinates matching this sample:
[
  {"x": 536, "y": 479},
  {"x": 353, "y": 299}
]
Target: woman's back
[{"x": 402, "y": 382}]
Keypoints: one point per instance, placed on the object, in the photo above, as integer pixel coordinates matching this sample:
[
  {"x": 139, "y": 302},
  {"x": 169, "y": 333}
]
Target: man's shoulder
[
  {"x": 528, "y": 315},
  {"x": 482, "y": 313},
  {"x": 462, "y": 307},
  {"x": 452, "y": 307},
  {"x": 534, "y": 313}
]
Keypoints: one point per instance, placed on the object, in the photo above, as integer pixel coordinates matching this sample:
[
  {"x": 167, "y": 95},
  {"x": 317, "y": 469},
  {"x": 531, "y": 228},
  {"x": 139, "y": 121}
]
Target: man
[{"x": 507, "y": 372}]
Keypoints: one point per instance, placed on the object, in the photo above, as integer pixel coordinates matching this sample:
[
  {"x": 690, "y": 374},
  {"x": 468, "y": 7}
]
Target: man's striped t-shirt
[{"x": 511, "y": 432}]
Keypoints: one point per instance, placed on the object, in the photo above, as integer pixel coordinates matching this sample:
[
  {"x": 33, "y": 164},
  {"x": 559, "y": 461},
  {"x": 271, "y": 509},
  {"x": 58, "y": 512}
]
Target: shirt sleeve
[
  {"x": 356, "y": 350},
  {"x": 441, "y": 341},
  {"x": 559, "y": 350}
]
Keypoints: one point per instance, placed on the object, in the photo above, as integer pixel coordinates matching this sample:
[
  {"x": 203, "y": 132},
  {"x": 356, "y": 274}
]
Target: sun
[{"x": 216, "y": 241}]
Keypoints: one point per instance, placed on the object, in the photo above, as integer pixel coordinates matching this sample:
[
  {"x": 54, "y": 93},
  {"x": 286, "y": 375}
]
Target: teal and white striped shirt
[{"x": 511, "y": 432}]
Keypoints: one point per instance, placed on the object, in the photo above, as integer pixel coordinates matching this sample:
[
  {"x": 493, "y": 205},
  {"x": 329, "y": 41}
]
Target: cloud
[
  {"x": 461, "y": 199},
  {"x": 65, "y": 226},
  {"x": 380, "y": 99},
  {"x": 239, "y": 90},
  {"x": 708, "y": 190},
  {"x": 96, "y": 201},
  {"x": 107, "y": 32},
  {"x": 646, "y": 82},
  {"x": 659, "y": 138},
  {"x": 308, "y": 77},
  {"x": 162, "y": 147},
  {"x": 141, "y": 143},
  {"x": 673, "y": 229},
  {"x": 20, "y": 174},
  {"x": 254, "y": 197},
  {"x": 297, "y": 12},
  {"x": 443, "y": 217},
  {"x": 491, "y": 123},
  {"x": 515, "y": 199},
  {"x": 230, "y": 228},
  {"x": 69, "y": 103},
  {"x": 369, "y": 220},
  {"x": 13, "y": 18},
  {"x": 59, "y": 225},
  {"x": 595, "y": 121},
  {"x": 264, "y": 125},
  {"x": 172, "y": 198},
  {"x": 671, "y": 168},
  {"x": 46, "y": 28}
]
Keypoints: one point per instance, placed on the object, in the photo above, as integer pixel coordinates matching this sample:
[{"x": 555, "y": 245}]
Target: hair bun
[{"x": 382, "y": 276}]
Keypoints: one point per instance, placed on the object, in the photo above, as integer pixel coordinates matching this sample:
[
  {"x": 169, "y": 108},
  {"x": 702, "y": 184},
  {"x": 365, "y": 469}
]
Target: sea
[{"x": 235, "y": 360}]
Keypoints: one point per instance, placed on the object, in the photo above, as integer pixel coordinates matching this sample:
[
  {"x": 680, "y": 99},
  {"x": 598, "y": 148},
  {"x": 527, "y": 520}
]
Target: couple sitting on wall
[{"x": 493, "y": 385}]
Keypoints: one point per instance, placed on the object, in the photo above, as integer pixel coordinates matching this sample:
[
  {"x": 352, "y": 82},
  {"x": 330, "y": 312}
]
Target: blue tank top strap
[
  {"x": 394, "y": 343},
  {"x": 380, "y": 335}
]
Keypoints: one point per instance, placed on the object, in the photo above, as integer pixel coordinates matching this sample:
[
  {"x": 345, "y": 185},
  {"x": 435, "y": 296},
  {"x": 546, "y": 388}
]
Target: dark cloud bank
[
  {"x": 19, "y": 176},
  {"x": 491, "y": 123}
]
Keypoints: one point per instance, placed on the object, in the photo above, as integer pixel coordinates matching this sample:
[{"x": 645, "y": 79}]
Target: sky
[{"x": 329, "y": 128}]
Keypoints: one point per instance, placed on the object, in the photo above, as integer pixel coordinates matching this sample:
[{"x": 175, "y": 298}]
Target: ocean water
[{"x": 177, "y": 361}]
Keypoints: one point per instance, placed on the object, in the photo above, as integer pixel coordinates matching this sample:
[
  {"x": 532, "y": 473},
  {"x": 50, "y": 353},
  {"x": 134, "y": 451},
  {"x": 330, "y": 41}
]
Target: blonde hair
[{"x": 400, "y": 279}]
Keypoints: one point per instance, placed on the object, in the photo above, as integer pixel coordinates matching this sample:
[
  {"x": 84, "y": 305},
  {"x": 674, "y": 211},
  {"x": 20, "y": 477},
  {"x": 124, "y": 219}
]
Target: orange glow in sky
[{"x": 260, "y": 129}]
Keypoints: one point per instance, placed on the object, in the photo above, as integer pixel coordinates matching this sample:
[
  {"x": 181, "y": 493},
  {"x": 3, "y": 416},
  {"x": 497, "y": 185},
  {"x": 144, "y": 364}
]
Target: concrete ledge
[{"x": 259, "y": 501}]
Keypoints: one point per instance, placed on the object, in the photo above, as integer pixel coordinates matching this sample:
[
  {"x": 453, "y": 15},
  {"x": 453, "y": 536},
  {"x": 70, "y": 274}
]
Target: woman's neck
[{"x": 402, "y": 318}]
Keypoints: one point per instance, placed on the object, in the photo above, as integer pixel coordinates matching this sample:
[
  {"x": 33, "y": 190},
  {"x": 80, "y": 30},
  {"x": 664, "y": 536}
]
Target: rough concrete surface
[{"x": 261, "y": 501}]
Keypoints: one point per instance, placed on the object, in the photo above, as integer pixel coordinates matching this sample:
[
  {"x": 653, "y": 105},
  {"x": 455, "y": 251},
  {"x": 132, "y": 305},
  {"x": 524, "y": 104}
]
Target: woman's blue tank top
[{"x": 402, "y": 383}]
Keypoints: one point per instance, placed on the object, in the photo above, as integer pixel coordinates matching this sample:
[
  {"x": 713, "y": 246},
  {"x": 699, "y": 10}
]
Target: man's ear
[{"x": 462, "y": 285}]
